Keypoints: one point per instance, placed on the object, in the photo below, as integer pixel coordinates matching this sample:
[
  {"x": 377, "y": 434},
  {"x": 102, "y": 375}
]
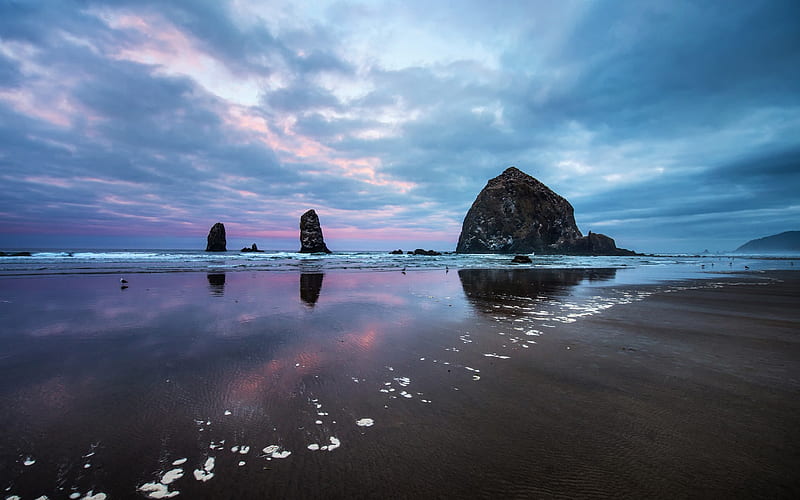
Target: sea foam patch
[
  {"x": 365, "y": 422},
  {"x": 275, "y": 451},
  {"x": 157, "y": 490},
  {"x": 495, "y": 355},
  {"x": 171, "y": 476},
  {"x": 205, "y": 473}
]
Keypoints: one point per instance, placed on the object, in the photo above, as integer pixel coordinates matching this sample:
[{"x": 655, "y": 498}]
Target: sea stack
[
  {"x": 311, "y": 240},
  {"x": 216, "y": 239},
  {"x": 515, "y": 213}
]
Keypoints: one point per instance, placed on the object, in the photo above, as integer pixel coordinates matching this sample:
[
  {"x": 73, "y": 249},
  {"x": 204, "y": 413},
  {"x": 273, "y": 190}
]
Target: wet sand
[
  {"x": 479, "y": 384},
  {"x": 690, "y": 393}
]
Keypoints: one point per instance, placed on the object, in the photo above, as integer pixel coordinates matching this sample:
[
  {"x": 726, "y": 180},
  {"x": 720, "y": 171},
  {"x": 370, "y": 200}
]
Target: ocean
[{"x": 94, "y": 261}]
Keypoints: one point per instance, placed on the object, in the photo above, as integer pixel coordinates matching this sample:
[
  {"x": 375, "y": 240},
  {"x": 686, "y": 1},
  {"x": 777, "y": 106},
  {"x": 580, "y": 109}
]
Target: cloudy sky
[{"x": 670, "y": 126}]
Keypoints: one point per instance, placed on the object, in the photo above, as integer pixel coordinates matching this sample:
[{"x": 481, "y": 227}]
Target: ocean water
[
  {"x": 78, "y": 261},
  {"x": 305, "y": 376}
]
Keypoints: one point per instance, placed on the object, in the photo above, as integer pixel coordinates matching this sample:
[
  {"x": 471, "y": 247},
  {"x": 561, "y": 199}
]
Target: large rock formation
[
  {"x": 516, "y": 213},
  {"x": 216, "y": 239},
  {"x": 311, "y": 240}
]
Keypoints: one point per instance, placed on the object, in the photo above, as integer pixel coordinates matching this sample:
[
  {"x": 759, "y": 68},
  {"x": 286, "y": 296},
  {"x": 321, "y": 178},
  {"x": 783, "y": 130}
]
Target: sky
[{"x": 669, "y": 126}]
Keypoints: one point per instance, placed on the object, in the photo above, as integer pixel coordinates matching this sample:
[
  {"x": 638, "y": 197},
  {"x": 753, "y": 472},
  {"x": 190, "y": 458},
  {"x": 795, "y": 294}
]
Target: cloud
[{"x": 660, "y": 123}]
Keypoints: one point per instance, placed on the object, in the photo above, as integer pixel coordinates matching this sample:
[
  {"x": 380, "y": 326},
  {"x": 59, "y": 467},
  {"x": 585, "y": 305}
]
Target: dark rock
[
  {"x": 521, "y": 259},
  {"x": 593, "y": 244},
  {"x": 311, "y": 240},
  {"x": 216, "y": 239},
  {"x": 396, "y": 252},
  {"x": 420, "y": 251},
  {"x": 516, "y": 213},
  {"x": 253, "y": 248},
  {"x": 15, "y": 254}
]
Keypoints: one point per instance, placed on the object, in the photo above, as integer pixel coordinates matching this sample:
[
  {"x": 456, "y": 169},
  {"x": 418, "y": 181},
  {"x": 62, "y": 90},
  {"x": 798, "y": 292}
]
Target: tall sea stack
[
  {"x": 311, "y": 240},
  {"x": 216, "y": 239},
  {"x": 516, "y": 213}
]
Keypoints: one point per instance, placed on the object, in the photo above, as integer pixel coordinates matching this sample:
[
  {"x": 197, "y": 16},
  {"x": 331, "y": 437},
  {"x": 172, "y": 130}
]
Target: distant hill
[{"x": 777, "y": 243}]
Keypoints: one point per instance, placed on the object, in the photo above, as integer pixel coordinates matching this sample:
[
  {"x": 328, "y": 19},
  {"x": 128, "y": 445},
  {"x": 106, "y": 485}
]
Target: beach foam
[{"x": 157, "y": 490}]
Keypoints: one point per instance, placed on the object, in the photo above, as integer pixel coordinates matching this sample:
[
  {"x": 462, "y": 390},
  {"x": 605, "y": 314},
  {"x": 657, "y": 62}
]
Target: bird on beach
[
  {"x": 123, "y": 281},
  {"x": 403, "y": 270}
]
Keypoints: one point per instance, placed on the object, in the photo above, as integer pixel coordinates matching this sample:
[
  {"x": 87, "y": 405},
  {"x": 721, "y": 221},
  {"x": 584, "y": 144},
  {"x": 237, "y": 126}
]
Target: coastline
[{"x": 681, "y": 388}]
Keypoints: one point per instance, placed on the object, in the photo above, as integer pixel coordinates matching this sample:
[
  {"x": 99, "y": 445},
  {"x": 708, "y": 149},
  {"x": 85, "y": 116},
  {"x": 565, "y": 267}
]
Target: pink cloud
[{"x": 48, "y": 105}]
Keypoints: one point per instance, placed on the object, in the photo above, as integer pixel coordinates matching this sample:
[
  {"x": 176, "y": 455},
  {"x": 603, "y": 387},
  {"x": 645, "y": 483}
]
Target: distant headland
[{"x": 786, "y": 242}]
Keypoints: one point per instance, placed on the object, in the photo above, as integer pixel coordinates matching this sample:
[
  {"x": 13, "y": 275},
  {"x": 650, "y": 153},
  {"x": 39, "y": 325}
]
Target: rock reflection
[
  {"x": 216, "y": 284},
  {"x": 487, "y": 288},
  {"x": 310, "y": 287}
]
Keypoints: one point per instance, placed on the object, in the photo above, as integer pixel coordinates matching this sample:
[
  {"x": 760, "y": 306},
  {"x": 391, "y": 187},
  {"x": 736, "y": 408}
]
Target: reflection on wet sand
[
  {"x": 310, "y": 287},
  {"x": 491, "y": 287},
  {"x": 216, "y": 284}
]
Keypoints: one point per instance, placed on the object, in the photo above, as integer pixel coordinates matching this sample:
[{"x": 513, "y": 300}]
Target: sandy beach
[
  {"x": 525, "y": 383},
  {"x": 691, "y": 393}
]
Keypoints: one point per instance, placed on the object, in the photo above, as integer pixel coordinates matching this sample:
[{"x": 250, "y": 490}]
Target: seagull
[
  {"x": 123, "y": 281},
  {"x": 403, "y": 270}
]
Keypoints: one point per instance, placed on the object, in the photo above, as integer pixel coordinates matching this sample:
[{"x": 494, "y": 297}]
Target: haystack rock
[
  {"x": 311, "y": 240},
  {"x": 216, "y": 239},
  {"x": 515, "y": 213}
]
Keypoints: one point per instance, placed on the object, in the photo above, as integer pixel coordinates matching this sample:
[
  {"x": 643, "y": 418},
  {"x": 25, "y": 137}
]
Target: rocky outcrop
[
  {"x": 421, "y": 251},
  {"x": 521, "y": 259},
  {"x": 311, "y": 240},
  {"x": 396, "y": 252},
  {"x": 593, "y": 244},
  {"x": 253, "y": 248},
  {"x": 516, "y": 213},
  {"x": 216, "y": 239}
]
